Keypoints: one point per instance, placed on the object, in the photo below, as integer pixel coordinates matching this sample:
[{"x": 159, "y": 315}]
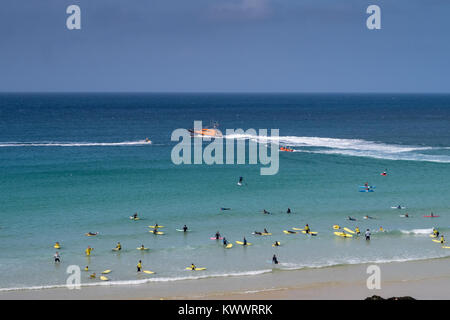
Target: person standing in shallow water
[
  {"x": 274, "y": 259},
  {"x": 367, "y": 234}
]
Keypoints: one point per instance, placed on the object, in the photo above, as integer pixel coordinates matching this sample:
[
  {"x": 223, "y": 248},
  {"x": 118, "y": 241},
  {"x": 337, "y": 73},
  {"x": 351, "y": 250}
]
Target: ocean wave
[
  {"x": 72, "y": 144},
  {"x": 350, "y": 147}
]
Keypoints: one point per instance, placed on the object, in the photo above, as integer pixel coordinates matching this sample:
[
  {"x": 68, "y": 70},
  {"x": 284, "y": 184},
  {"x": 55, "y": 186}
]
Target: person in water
[
  {"x": 431, "y": 214},
  {"x": 351, "y": 218},
  {"x": 135, "y": 215},
  {"x": 406, "y": 215},
  {"x": 358, "y": 232},
  {"x": 276, "y": 244},
  {"x": 88, "y": 250},
  {"x": 225, "y": 242},
  {"x": 93, "y": 275},
  {"x": 86, "y": 268},
  {"x": 245, "y": 241},
  {"x": 442, "y": 239},
  {"x": 193, "y": 267},
  {"x": 142, "y": 247},
  {"x": 185, "y": 228},
  {"x": 399, "y": 207},
  {"x": 367, "y": 234},
  {"x": 274, "y": 259},
  {"x": 288, "y": 210},
  {"x": 118, "y": 246},
  {"x": 435, "y": 232},
  {"x": 257, "y": 232},
  {"x": 139, "y": 266},
  {"x": 265, "y": 231},
  {"x": 307, "y": 229},
  {"x": 217, "y": 235},
  {"x": 241, "y": 179},
  {"x": 57, "y": 257},
  {"x": 266, "y": 212},
  {"x": 381, "y": 229}
]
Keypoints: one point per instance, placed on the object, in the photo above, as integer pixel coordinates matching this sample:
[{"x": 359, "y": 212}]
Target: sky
[{"x": 225, "y": 46}]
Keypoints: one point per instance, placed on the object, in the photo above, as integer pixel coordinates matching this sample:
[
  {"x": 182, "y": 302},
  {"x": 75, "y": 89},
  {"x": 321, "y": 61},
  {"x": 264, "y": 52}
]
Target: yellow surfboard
[
  {"x": 279, "y": 244},
  {"x": 103, "y": 278},
  {"x": 229, "y": 246},
  {"x": 241, "y": 243},
  {"x": 106, "y": 271},
  {"x": 344, "y": 235},
  {"x": 148, "y": 272},
  {"x": 438, "y": 241},
  {"x": 433, "y": 236},
  {"x": 349, "y": 230},
  {"x": 196, "y": 269},
  {"x": 266, "y": 234},
  {"x": 154, "y": 227},
  {"x": 299, "y": 229},
  {"x": 336, "y": 227},
  {"x": 157, "y": 232},
  {"x": 445, "y": 247},
  {"x": 311, "y": 232},
  {"x": 140, "y": 248}
]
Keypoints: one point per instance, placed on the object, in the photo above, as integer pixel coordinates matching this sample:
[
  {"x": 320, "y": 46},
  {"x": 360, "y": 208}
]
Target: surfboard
[
  {"x": 115, "y": 249},
  {"x": 133, "y": 218},
  {"x": 181, "y": 230},
  {"x": 289, "y": 232},
  {"x": 214, "y": 238},
  {"x": 157, "y": 232},
  {"x": 196, "y": 269},
  {"x": 57, "y": 247},
  {"x": 154, "y": 227},
  {"x": 140, "y": 248},
  {"x": 279, "y": 244},
  {"x": 106, "y": 271},
  {"x": 433, "y": 235},
  {"x": 91, "y": 235},
  {"x": 366, "y": 190},
  {"x": 398, "y": 208},
  {"x": 349, "y": 230},
  {"x": 229, "y": 246},
  {"x": 103, "y": 278},
  {"x": 437, "y": 241},
  {"x": 370, "y": 187},
  {"x": 340, "y": 234},
  {"x": 404, "y": 216},
  {"x": 336, "y": 227},
  {"x": 266, "y": 234},
  {"x": 432, "y": 216},
  {"x": 148, "y": 272},
  {"x": 313, "y": 233},
  {"x": 241, "y": 243},
  {"x": 299, "y": 229},
  {"x": 445, "y": 247}
]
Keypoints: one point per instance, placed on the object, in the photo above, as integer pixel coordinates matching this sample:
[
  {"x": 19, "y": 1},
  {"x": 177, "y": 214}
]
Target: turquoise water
[{"x": 70, "y": 164}]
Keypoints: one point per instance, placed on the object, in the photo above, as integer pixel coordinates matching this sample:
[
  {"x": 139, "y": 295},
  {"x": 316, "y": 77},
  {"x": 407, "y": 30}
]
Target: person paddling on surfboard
[
  {"x": 135, "y": 215},
  {"x": 435, "y": 232},
  {"x": 258, "y": 233},
  {"x": 274, "y": 259},
  {"x": 276, "y": 244},
  {"x": 225, "y": 242},
  {"x": 118, "y": 246},
  {"x": 265, "y": 231},
  {"x": 266, "y": 212}
]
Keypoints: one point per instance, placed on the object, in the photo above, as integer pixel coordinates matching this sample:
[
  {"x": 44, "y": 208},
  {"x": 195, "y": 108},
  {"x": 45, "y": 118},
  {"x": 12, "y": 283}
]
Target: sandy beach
[{"x": 426, "y": 279}]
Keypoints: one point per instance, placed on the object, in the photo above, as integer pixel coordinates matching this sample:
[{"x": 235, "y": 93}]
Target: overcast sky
[{"x": 225, "y": 46}]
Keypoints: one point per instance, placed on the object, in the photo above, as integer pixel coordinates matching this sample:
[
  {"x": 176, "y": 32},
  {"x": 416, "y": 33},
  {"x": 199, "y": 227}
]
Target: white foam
[
  {"x": 349, "y": 147},
  {"x": 418, "y": 231}
]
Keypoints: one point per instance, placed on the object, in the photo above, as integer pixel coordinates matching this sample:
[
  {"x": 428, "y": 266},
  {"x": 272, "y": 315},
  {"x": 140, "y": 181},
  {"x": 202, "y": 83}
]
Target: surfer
[
  {"x": 86, "y": 268},
  {"x": 358, "y": 232},
  {"x": 92, "y": 276},
  {"x": 384, "y": 173},
  {"x": 91, "y": 233},
  {"x": 406, "y": 215},
  {"x": 135, "y": 215},
  {"x": 274, "y": 259},
  {"x": 431, "y": 214},
  {"x": 118, "y": 246},
  {"x": 288, "y": 210},
  {"x": 367, "y": 234},
  {"x": 265, "y": 231},
  {"x": 276, "y": 244},
  {"x": 381, "y": 229},
  {"x": 193, "y": 266},
  {"x": 139, "y": 266},
  {"x": 435, "y": 232},
  {"x": 399, "y": 207},
  {"x": 57, "y": 257},
  {"x": 225, "y": 242},
  {"x": 185, "y": 228},
  {"x": 245, "y": 242},
  {"x": 351, "y": 219},
  {"x": 258, "y": 233},
  {"x": 217, "y": 235},
  {"x": 88, "y": 250},
  {"x": 442, "y": 239},
  {"x": 307, "y": 229},
  {"x": 142, "y": 247},
  {"x": 240, "y": 181},
  {"x": 266, "y": 212}
]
